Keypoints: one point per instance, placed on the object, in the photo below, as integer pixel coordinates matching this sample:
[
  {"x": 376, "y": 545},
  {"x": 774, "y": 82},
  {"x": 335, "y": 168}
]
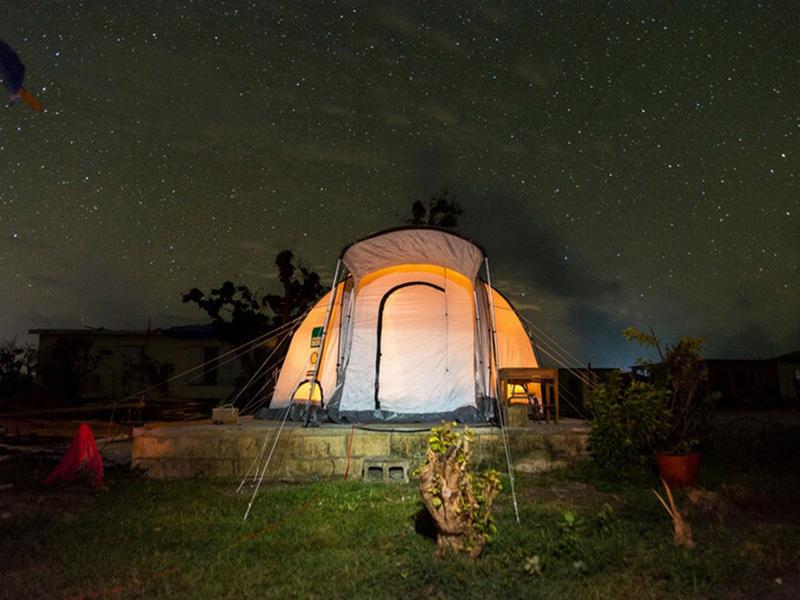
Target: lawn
[{"x": 582, "y": 535}]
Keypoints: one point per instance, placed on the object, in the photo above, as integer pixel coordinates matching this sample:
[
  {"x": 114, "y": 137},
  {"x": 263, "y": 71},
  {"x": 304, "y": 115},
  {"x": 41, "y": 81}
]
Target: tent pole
[
  {"x": 479, "y": 329},
  {"x": 313, "y": 381},
  {"x": 500, "y": 407}
]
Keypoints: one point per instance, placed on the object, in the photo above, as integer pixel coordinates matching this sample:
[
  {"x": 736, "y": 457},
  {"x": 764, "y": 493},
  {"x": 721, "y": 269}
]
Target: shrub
[{"x": 629, "y": 421}]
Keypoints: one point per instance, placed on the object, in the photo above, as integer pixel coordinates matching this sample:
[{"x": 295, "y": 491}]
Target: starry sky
[{"x": 622, "y": 162}]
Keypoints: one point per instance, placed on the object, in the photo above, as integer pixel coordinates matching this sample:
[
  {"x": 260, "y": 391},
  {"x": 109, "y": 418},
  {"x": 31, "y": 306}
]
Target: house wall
[
  {"x": 744, "y": 382},
  {"x": 120, "y": 370}
]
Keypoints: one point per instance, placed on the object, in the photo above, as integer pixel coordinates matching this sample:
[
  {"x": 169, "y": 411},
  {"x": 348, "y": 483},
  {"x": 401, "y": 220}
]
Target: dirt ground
[
  {"x": 572, "y": 494},
  {"x": 31, "y": 448}
]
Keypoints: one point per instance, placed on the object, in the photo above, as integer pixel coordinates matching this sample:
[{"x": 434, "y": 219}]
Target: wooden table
[{"x": 548, "y": 378}]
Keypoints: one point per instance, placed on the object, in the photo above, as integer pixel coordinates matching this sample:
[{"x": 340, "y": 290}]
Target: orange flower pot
[{"x": 678, "y": 470}]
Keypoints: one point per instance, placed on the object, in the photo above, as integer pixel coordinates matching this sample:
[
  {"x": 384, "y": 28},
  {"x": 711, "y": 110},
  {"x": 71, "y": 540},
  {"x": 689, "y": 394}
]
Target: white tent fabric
[
  {"x": 413, "y": 246},
  {"x": 408, "y": 338},
  {"x": 412, "y": 341}
]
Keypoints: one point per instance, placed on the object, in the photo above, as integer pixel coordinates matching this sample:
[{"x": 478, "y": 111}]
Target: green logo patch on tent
[{"x": 316, "y": 337}]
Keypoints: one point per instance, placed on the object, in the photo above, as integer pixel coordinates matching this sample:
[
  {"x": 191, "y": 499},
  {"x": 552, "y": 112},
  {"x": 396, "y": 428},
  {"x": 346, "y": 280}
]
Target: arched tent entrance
[
  {"x": 410, "y": 316},
  {"x": 406, "y": 337}
]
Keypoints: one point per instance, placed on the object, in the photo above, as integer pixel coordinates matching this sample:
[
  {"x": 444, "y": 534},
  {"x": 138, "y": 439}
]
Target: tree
[
  {"x": 233, "y": 309},
  {"x": 298, "y": 294},
  {"x": 17, "y": 367},
  {"x": 442, "y": 210},
  {"x": 239, "y": 314}
]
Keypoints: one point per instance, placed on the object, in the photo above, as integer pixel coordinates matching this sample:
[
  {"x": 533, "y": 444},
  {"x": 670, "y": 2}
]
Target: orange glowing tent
[{"x": 410, "y": 334}]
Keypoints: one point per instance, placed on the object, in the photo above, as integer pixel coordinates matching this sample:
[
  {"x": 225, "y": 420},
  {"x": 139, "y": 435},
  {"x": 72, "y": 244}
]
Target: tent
[{"x": 405, "y": 336}]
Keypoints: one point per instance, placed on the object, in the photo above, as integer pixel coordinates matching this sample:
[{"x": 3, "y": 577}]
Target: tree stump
[{"x": 459, "y": 501}]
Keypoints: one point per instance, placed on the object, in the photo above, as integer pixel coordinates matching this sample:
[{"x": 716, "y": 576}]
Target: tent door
[{"x": 412, "y": 347}]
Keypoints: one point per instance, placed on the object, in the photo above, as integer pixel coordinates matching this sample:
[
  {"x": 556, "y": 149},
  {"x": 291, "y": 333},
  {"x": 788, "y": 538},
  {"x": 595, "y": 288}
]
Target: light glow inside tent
[
  {"x": 452, "y": 277},
  {"x": 301, "y": 395}
]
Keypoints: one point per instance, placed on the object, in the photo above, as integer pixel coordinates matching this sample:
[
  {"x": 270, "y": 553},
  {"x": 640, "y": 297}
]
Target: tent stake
[{"x": 503, "y": 433}]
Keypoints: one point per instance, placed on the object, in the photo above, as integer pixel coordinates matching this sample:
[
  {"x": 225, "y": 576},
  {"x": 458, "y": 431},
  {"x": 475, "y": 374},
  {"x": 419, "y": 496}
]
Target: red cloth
[{"x": 82, "y": 457}]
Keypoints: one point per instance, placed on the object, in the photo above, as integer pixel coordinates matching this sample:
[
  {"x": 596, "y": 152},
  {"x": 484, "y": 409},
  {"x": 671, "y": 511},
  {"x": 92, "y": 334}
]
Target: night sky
[{"x": 621, "y": 162}]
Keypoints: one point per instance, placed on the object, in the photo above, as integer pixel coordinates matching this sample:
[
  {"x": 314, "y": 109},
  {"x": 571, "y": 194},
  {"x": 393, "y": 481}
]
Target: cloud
[
  {"x": 446, "y": 41},
  {"x": 394, "y": 118},
  {"x": 525, "y": 248},
  {"x": 596, "y": 329},
  {"x": 520, "y": 245},
  {"x": 430, "y": 171},
  {"x": 254, "y": 246},
  {"x": 441, "y": 114},
  {"x": 742, "y": 302},
  {"x": 312, "y": 151},
  {"x": 95, "y": 293},
  {"x": 396, "y": 20},
  {"x": 329, "y": 108},
  {"x": 746, "y": 341},
  {"x": 541, "y": 75}
]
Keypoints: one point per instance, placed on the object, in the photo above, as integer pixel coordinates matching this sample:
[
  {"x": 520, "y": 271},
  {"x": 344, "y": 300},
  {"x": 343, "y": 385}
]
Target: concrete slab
[{"x": 306, "y": 454}]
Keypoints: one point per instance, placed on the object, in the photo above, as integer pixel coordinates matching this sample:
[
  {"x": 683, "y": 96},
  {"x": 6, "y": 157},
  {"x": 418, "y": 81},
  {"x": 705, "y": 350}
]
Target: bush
[{"x": 630, "y": 420}]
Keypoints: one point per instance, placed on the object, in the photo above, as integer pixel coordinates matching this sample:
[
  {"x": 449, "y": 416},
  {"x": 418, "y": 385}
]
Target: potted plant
[{"x": 683, "y": 375}]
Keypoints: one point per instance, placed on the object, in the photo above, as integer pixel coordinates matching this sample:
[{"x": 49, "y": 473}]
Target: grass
[{"x": 186, "y": 539}]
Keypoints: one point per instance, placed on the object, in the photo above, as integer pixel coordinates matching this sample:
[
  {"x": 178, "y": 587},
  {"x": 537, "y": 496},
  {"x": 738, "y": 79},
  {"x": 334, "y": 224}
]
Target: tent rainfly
[{"x": 406, "y": 337}]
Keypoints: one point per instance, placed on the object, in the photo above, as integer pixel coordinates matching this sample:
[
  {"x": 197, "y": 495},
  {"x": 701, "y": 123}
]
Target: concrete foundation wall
[{"x": 309, "y": 454}]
